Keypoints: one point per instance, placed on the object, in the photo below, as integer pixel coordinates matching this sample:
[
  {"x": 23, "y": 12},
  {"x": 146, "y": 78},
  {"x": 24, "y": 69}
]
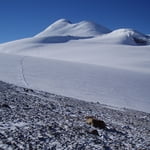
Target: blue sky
[{"x": 25, "y": 18}]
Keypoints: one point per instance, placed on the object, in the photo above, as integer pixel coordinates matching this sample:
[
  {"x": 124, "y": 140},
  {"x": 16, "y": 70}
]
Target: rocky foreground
[{"x": 35, "y": 120}]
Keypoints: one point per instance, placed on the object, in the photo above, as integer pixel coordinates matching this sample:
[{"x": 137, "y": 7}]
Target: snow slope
[
  {"x": 116, "y": 87},
  {"x": 82, "y": 60}
]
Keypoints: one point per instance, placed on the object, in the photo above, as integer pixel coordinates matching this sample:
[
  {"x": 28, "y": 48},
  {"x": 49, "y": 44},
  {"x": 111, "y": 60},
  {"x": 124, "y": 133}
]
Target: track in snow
[{"x": 25, "y": 82}]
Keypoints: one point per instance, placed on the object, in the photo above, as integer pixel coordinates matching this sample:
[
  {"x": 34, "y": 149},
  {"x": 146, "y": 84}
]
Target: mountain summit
[
  {"x": 65, "y": 27},
  {"x": 63, "y": 31}
]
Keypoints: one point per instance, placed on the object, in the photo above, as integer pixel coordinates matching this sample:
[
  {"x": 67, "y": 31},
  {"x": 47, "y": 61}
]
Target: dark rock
[
  {"x": 5, "y": 106},
  {"x": 94, "y": 132}
]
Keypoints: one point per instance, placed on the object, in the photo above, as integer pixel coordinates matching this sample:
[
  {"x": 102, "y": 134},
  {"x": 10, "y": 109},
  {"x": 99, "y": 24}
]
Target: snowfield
[
  {"x": 91, "y": 71},
  {"x": 82, "y": 60},
  {"x": 31, "y": 119},
  {"x": 116, "y": 87}
]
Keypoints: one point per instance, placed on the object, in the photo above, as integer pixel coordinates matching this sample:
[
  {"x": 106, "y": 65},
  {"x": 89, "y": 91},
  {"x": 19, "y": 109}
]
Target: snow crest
[{"x": 65, "y": 27}]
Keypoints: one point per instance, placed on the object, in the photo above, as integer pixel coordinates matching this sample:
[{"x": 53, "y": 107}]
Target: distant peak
[
  {"x": 87, "y": 22},
  {"x": 63, "y": 21},
  {"x": 63, "y": 27}
]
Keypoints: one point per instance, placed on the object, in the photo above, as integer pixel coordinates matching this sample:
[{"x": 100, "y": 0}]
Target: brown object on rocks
[{"x": 95, "y": 122}]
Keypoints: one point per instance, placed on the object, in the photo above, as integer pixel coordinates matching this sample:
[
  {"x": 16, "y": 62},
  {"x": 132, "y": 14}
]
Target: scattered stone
[
  {"x": 44, "y": 121},
  {"x": 5, "y": 106},
  {"x": 94, "y": 132}
]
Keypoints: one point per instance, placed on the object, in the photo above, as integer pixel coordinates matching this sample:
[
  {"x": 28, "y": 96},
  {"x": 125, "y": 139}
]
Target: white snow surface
[{"x": 84, "y": 61}]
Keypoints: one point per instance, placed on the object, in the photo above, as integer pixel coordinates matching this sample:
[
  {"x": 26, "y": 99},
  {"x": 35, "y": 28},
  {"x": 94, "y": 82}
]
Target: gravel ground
[{"x": 36, "y": 120}]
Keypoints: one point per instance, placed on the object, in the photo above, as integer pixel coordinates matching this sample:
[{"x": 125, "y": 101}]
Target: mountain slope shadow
[{"x": 59, "y": 39}]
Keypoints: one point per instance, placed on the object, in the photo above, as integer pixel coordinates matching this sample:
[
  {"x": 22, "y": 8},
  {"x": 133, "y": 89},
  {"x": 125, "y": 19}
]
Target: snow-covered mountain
[
  {"x": 82, "y": 60},
  {"x": 63, "y": 31},
  {"x": 127, "y": 37},
  {"x": 64, "y": 27},
  {"x": 89, "y": 29}
]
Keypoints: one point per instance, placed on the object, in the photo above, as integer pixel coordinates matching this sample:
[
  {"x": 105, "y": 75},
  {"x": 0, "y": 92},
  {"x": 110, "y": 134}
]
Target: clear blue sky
[{"x": 25, "y": 18}]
